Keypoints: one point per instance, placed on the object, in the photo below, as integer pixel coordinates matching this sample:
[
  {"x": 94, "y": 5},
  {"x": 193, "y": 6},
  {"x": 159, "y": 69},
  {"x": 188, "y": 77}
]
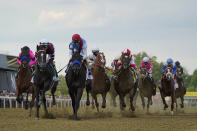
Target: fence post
[
  {"x": 4, "y": 102},
  {"x": 10, "y": 101}
]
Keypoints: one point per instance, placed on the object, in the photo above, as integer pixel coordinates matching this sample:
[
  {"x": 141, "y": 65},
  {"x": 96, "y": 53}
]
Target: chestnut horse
[
  {"x": 180, "y": 91},
  {"x": 100, "y": 85},
  {"x": 167, "y": 88},
  {"x": 23, "y": 81},
  {"x": 145, "y": 85}
]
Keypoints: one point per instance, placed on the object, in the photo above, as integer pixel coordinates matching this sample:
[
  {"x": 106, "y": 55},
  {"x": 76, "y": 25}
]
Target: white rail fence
[{"x": 10, "y": 102}]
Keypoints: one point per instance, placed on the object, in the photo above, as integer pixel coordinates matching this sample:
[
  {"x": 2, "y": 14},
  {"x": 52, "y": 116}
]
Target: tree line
[{"x": 190, "y": 80}]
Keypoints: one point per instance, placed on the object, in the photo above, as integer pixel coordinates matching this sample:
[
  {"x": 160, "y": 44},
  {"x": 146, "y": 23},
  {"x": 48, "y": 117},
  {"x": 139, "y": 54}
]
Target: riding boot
[{"x": 55, "y": 75}]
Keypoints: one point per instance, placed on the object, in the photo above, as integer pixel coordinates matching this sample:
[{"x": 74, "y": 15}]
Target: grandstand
[{"x": 8, "y": 70}]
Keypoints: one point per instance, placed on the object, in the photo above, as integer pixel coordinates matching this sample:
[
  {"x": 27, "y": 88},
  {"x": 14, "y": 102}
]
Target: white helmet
[
  {"x": 145, "y": 59},
  {"x": 95, "y": 50},
  {"x": 117, "y": 57},
  {"x": 44, "y": 41}
]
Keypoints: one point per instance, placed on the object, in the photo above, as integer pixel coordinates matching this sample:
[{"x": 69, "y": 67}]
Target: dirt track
[{"x": 109, "y": 119}]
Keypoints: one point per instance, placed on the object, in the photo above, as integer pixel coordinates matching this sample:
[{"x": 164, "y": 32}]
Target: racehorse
[
  {"x": 75, "y": 79},
  {"x": 43, "y": 80},
  {"x": 23, "y": 81},
  {"x": 180, "y": 91},
  {"x": 167, "y": 88},
  {"x": 145, "y": 85},
  {"x": 100, "y": 85},
  {"x": 125, "y": 83}
]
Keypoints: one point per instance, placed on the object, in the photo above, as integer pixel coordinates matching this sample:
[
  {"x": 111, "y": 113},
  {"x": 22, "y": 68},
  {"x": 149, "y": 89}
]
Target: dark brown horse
[
  {"x": 23, "y": 81},
  {"x": 167, "y": 88},
  {"x": 145, "y": 87},
  {"x": 180, "y": 91},
  {"x": 125, "y": 83},
  {"x": 100, "y": 85}
]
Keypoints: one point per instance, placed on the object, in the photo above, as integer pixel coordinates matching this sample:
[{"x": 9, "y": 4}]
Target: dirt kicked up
[{"x": 106, "y": 120}]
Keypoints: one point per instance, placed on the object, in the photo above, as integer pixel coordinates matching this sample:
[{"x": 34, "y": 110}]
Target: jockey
[
  {"x": 116, "y": 62},
  {"x": 31, "y": 57},
  {"x": 169, "y": 63},
  {"x": 148, "y": 65},
  {"x": 93, "y": 56},
  {"x": 49, "y": 47},
  {"x": 77, "y": 44},
  {"x": 132, "y": 62},
  {"x": 178, "y": 65}
]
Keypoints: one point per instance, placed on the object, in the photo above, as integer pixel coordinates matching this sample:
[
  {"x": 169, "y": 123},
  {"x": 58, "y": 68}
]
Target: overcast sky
[{"x": 162, "y": 28}]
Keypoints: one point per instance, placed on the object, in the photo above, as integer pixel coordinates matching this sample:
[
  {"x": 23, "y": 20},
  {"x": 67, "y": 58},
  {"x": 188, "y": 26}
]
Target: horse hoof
[
  {"x": 165, "y": 107},
  {"x": 182, "y": 106},
  {"x": 103, "y": 106},
  {"x": 124, "y": 105},
  {"x": 87, "y": 103},
  {"x": 172, "y": 113}
]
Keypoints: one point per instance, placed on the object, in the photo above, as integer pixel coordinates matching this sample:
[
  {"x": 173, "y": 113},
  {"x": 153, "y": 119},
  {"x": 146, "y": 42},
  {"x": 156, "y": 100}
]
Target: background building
[{"x": 8, "y": 70}]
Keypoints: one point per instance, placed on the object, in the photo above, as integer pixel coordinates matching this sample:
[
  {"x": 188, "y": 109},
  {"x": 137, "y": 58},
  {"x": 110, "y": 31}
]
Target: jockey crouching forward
[
  {"x": 132, "y": 64},
  {"x": 169, "y": 63},
  {"x": 178, "y": 66},
  {"x": 92, "y": 57},
  {"x": 149, "y": 67},
  {"x": 116, "y": 66},
  {"x": 50, "y": 51},
  {"x": 77, "y": 45},
  {"x": 30, "y": 56}
]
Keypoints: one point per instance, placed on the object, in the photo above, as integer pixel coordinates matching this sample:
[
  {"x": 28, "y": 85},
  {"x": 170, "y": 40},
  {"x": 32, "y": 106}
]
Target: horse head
[
  {"x": 168, "y": 73},
  {"x": 76, "y": 63},
  {"x": 100, "y": 60},
  {"x": 178, "y": 73},
  {"x": 125, "y": 60},
  {"x": 42, "y": 58},
  {"x": 143, "y": 72}
]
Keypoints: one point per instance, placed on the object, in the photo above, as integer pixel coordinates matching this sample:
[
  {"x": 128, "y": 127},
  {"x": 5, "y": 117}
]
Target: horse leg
[
  {"x": 164, "y": 101},
  {"x": 73, "y": 101},
  {"x": 173, "y": 100},
  {"x": 26, "y": 101},
  {"x": 37, "y": 102},
  {"x": 77, "y": 101},
  {"x": 44, "y": 102},
  {"x": 32, "y": 102},
  {"x": 53, "y": 89},
  {"x": 88, "y": 99},
  {"x": 122, "y": 102},
  {"x": 114, "y": 100},
  {"x": 96, "y": 102},
  {"x": 182, "y": 101},
  {"x": 104, "y": 100},
  {"x": 142, "y": 98},
  {"x": 148, "y": 104}
]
